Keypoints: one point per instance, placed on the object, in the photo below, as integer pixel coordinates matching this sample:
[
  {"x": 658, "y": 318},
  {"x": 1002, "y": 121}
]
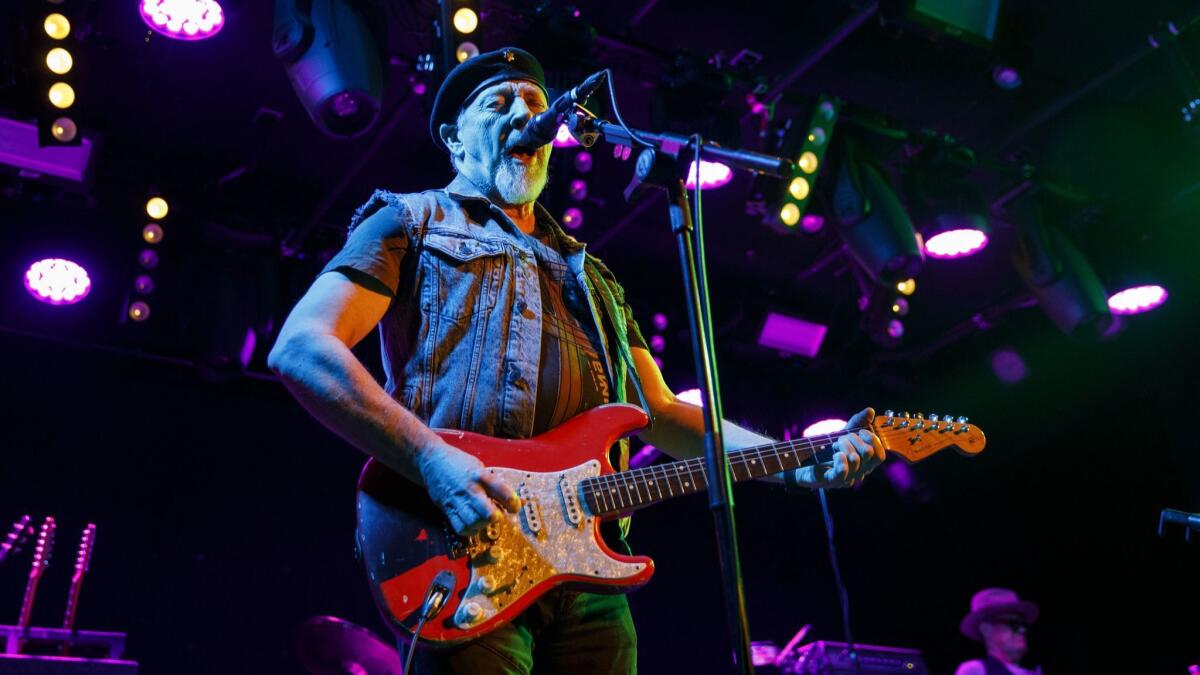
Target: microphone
[{"x": 544, "y": 126}]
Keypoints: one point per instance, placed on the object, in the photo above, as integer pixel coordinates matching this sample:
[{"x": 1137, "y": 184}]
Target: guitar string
[{"x": 634, "y": 480}]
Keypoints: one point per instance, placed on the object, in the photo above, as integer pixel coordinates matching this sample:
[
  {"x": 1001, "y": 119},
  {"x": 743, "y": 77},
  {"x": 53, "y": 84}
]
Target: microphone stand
[{"x": 658, "y": 167}]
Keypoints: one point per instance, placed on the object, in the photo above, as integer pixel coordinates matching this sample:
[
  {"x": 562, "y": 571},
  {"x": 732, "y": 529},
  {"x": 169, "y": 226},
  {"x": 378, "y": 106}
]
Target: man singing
[{"x": 493, "y": 320}]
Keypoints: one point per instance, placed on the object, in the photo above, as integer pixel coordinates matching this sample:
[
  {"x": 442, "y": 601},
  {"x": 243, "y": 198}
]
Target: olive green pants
[{"x": 565, "y": 632}]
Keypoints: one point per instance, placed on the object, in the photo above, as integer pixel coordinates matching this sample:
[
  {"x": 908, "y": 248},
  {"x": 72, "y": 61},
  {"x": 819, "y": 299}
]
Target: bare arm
[
  {"x": 313, "y": 359},
  {"x": 678, "y": 430}
]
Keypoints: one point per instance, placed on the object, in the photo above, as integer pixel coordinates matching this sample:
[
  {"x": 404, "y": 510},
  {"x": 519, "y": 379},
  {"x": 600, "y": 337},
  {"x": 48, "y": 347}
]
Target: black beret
[{"x": 471, "y": 76}]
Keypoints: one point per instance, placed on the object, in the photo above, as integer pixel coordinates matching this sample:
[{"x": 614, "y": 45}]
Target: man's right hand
[{"x": 463, "y": 488}]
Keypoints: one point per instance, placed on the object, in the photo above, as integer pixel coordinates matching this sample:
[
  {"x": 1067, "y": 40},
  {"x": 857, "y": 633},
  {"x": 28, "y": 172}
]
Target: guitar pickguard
[{"x": 551, "y": 536}]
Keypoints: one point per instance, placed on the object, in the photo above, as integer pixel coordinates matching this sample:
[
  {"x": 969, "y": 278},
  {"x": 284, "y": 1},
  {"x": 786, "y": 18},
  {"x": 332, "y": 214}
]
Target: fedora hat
[{"x": 991, "y": 603}]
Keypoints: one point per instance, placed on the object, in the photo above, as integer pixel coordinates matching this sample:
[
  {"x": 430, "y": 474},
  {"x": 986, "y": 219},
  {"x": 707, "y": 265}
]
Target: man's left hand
[{"x": 856, "y": 454}]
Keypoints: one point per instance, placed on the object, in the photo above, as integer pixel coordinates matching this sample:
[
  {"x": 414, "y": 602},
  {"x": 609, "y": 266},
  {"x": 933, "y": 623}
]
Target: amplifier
[{"x": 833, "y": 658}]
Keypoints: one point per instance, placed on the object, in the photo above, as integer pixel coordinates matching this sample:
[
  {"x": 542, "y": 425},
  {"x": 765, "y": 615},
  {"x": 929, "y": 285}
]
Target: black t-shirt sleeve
[{"x": 378, "y": 241}]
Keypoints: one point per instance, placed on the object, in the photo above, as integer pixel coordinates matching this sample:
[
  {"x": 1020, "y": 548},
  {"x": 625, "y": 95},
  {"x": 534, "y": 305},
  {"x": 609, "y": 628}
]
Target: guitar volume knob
[{"x": 468, "y": 613}]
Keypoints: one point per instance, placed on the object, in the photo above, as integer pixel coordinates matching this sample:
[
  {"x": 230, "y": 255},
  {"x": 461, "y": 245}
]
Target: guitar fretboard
[{"x": 626, "y": 491}]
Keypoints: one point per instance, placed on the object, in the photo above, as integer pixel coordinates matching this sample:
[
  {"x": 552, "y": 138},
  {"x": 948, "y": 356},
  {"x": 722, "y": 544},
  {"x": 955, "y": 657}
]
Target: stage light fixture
[
  {"x": 822, "y": 427},
  {"x": 563, "y": 138},
  {"x": 139, "y": 311},
  {"x": 1008, "y": 365},
  {"x": 1066, "y": 286},
  {"x": 807, "y": 144},
  {"x": 144, "y": 284},
  {"x": 877, "y": 231},
  {"x": 59, "y": 61},
  {"x": 57, "y": 281},
  {"x": 712, "y": 175},
  {"x": 792, "y": 334},
  {"x": 466, "y": 20},
  {"x": 578, "y": 189},
  {"x": 63, "y": 129},
  {"x": 156, "y": 208},
  {"x": 907, "y": 287},
  {"x": 946, "y": 207},
  {"x": 812, "y": 223},
  {"x": 466, "y": 50},
  {"x": 572, "y": 218},
  {"x": 152, "y": 233},
  {"x": 658, "y": 344},
  {"x": 583, "y": 161},
  {"x": 1006, "y": 77},
  {"x": 881, "y": 312},
  {"x": 1137, "y": 299},
  {"x": 148, "y": 259},
  {"x": 57, "y": 26},
  {"x": 183, "y": 19},
  {"x": 660, "y": 321},
  {"x": 61, "y": 95},
  {"x": 331, "y": 52}
]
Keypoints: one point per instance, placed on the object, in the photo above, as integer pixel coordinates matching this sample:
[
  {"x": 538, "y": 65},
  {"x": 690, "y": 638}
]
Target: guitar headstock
[
  {"x": 45, "y": 545},
  {"x": 914, "y": 437},
  {"x": 86, "y": 542},
  {"x": 16, "y": 537}
]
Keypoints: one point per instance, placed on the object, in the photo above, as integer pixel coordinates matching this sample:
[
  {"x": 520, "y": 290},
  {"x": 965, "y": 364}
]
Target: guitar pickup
[
  {"x": 570, "y": 499},
  {"x": 530, "y": 506}
]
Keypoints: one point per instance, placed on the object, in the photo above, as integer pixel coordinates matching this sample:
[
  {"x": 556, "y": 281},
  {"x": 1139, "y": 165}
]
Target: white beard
[{"x": 517, "y": 183}]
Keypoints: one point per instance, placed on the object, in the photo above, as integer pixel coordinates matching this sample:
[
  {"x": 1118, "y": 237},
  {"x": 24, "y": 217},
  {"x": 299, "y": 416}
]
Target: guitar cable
[
  {"x": 843, "y": 595},
  {"x": 435, "y": 601}
]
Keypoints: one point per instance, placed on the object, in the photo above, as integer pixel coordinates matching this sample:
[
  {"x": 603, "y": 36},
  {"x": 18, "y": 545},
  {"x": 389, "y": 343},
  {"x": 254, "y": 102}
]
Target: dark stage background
[{"x": 225, "y": 513}]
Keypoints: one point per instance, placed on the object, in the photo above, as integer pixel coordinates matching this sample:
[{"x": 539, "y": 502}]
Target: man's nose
[{"x": 521, "y": 113}]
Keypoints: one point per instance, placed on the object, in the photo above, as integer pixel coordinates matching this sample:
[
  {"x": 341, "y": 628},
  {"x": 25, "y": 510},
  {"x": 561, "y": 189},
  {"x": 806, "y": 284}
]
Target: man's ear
[{"x": 449, "y": 135}]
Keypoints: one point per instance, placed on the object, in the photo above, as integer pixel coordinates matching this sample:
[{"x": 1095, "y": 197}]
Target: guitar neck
[
  {"x": 626, "y": 491},
  {"x": 31, "y": 588},
  {"x": 73, "y": 601}
]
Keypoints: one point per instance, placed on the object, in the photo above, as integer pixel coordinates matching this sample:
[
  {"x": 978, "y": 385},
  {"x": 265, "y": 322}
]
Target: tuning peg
[
  {"x": 933, "y": 418},
  {"x": 920, "y": 416},
  {"x": 905, "y": 414},
  {"x": 962, "y": 420},
  {"x": 889, "y": 413}
]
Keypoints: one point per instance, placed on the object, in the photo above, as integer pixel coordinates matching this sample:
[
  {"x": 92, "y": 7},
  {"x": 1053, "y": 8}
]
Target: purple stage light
[
  {"x": 812, "y": 222},
  {"x": 564, "y": 139},
  {"x": 578, "y": 189},
  {"x": 712, "y": 175},
  {"x": 790, "y": 334},
  {"x": 1006, "y": 77},
  {"x": 183, "y": 19},
  {"x": 1137, "y": 299},
  {"x": 572, "y": 218},
  {"x": 644, "y": 457},
  {"x": 658, "y": 343},
  {"x": 1008, "y": 365},
  {"x": 829, "y": 426},
  {"x": 660, "y": 321},
  {"x": 583, "y": 161},
  {"x": 55, "y": 281},
  {"x": 895, "y": 329},
  {"x": 955, "y": 243}
]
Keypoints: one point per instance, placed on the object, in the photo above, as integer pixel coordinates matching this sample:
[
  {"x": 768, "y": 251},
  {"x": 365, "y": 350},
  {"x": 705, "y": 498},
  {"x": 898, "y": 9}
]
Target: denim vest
[{"x": 462, "y": 339}]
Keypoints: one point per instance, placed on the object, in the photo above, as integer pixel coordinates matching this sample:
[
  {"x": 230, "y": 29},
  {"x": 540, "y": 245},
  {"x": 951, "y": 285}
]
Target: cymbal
[{"x": 327, "y": 645}]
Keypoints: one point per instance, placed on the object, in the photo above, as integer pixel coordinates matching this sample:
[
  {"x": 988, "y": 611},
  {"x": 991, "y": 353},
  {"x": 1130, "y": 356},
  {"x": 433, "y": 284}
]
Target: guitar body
[{"x": 553, "y": 541}]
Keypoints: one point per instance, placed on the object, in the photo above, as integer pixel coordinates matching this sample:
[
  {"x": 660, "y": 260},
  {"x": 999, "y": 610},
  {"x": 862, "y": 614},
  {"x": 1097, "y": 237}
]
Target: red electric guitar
[{"x": 567, "y": 486}]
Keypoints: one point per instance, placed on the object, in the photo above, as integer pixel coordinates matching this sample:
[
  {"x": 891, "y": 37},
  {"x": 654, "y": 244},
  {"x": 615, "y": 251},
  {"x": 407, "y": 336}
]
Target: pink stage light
[
  {"x": 956, "y": 243},
  {"x": 1137, "y": 299},
  {"x": 183, "y": 19},
  {"x": 712, "y": 175},
  {"x": 829, "y": 426},
  {"x": 55, "y": 281},
  {"x": 564, "y": 139}
]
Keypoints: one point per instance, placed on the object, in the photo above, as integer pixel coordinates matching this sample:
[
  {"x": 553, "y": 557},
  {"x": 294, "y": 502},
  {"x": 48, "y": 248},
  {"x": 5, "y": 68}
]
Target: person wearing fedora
[
  {"x": 999, "y": 619},
  {"x": 493, "y": 320}
]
